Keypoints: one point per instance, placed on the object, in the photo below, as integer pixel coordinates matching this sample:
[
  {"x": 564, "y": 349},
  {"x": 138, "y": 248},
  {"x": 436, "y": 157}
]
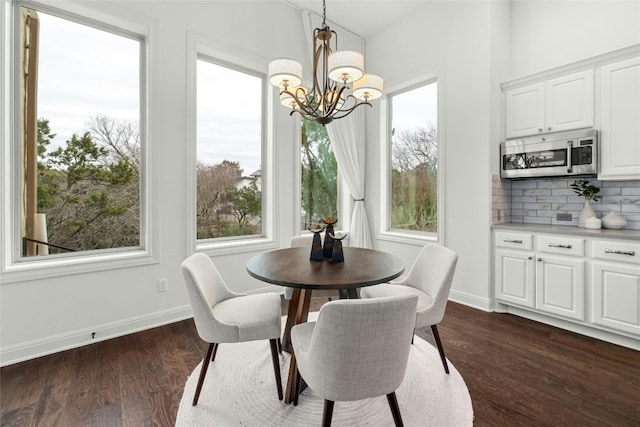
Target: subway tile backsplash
[{"x": 538, "y": 201}]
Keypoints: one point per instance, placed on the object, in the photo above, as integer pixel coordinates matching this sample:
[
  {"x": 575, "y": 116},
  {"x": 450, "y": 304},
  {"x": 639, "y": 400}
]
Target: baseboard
[
  {"x": 42, "y": 347},
  {"x": 485, "y": 304}
]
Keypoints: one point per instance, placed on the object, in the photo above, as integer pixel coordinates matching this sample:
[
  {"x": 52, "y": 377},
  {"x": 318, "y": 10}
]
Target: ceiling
[{"x": 362, "y": 17}]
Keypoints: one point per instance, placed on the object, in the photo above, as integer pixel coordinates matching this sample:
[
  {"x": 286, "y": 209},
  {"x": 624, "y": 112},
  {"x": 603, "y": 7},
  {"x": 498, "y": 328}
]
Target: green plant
[{"x": 589, "y": 191}]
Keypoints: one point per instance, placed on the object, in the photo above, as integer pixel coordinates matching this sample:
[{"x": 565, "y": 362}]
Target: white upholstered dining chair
[
  {"x": 223, "y": 316},
  {"x": 430, "y": 280},
  {"x": 357, "y": 349}
]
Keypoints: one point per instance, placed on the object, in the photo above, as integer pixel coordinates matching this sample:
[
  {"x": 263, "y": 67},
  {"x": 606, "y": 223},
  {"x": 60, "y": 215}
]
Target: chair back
[
  {"x": 361, "y": 347},
  {"x": 303, "y": 241},
  {"x": 432, "y": 272},
  {"x": 206, "y": 288}
]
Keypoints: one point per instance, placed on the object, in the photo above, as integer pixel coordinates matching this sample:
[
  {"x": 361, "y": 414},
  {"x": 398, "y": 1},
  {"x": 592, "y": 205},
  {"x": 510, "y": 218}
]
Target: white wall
[
  {"x": 466, "y": 43},
  {"x": 548, "y": 34},
  {"x": 455, "y": 41},
  {"x": 473, "y": 46},
  {"x": 44, "y": 315}
]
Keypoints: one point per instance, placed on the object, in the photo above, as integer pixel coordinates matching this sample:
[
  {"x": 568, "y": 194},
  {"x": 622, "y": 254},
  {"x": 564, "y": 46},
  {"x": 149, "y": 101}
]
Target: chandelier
[{"x": 339, "y": 83}]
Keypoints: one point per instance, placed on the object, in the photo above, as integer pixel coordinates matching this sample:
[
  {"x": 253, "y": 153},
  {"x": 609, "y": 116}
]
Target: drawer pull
[
  {"x": 556, "y": 245},
  {"x": 615, "y": 251},
  {"x": 512, "y": 240}
]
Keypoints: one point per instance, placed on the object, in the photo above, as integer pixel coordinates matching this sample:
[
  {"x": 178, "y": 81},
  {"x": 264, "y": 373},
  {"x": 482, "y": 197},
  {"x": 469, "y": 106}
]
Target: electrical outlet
[
  {"x": 563, "y": 216},
  {"x": 163, "y": 285}
]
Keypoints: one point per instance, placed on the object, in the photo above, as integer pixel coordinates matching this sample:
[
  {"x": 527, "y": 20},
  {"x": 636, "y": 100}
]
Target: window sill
[
  {"x": 43, "y": 268},
  {"x": 236, "y": 246},
  {"x": 408, "y": 237}
]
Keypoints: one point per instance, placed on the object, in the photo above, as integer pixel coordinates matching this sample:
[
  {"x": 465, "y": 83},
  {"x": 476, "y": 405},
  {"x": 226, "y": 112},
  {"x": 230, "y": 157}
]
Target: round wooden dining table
[{"x": 292, "y": 267}]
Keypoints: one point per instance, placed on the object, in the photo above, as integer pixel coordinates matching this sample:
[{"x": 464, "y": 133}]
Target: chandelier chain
[{"x": 324, "y": 13}]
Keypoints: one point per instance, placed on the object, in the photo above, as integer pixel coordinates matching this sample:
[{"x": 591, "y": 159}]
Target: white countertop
[{"x": 570, "y": 230}]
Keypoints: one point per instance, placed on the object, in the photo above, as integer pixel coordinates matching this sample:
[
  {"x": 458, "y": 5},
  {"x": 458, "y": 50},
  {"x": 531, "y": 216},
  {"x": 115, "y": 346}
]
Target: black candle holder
[
  {"x": 337, "y": 254},
  {"x": 316, "y": 246},
  {"x": 327, "y": 249}
]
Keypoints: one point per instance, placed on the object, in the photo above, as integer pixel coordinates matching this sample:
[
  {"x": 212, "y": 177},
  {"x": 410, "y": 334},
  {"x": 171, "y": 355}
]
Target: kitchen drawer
[
  {"x": 514, "y": 240},
  {"x": 561, "y": 245},
  {"x": 616, "y": 251}
]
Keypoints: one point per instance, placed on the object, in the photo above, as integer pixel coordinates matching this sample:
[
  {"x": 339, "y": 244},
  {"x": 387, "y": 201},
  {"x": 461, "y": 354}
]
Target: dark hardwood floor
[{"x": 519, "y": 373}]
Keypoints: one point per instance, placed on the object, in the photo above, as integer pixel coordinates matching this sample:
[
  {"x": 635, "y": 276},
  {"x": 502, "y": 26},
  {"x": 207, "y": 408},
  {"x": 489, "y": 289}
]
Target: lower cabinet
[
  {"x": 547, "y": 283},
  {"x": 588, "y": 281},
  {"x": 616, "y": 296},
  {"x": 515, "y": 277},
  {"x": 560, "y": 286}
]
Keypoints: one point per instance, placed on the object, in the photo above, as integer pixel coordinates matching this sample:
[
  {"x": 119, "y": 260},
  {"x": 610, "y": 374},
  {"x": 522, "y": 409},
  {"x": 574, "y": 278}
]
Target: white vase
[
  {"x": 587, "y": 212},
  {"x": 613, "y": 221}
]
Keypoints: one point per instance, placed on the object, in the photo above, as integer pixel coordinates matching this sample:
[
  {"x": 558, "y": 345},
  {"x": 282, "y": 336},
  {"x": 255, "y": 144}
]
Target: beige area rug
[{"x": 240, "y": 390}]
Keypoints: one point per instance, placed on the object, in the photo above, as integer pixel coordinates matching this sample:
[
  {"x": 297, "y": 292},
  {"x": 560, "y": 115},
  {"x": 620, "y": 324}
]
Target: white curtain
[{"x": 347, "y": 136}]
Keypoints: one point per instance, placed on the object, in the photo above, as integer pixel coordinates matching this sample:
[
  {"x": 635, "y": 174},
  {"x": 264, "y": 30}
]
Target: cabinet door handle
[
  {"x": 512, "y": 240},
  {"x": 530, "y": 257},
  {"x": 615, "y": 251},
  {"x": 539, "y": 259},
  {"x": 539, "y": 130},
  {"x": 556, "y": 245}
]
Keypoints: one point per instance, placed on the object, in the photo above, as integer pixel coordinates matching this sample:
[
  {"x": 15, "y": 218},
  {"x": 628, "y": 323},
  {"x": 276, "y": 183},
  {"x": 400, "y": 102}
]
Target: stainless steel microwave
[{"x": 573, "y": 153}]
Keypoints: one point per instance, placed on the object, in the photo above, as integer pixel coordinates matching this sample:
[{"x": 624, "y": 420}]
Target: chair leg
[
  {"x": 395, "y": 409},
  {"x": 436, "y": 336},
  {"x": 280, "y": 346},
  {"x": 215, "y": 351},
  {"x": 296, "y": 387},
  {"x": 203, "y": 372},
  {"x": 327, "y": 414},
  {"x": 276, "y": 365}
]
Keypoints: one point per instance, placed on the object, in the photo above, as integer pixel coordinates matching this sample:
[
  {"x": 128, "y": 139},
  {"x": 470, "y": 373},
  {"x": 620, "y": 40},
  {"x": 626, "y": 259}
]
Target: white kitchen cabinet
[
  {"x": 620, "y": 120},
  {"x": 515, "y": 277},
  {"x": 582, "y": 282},
  {"x": 536, "y": 279},
  {"x": 560, "y": 286},
  {"x": 562, "y": 103},
  {"x": 616, "y": 296},
  {"x": 525, "y": 111},
  {"x": 616, "y": 285}
]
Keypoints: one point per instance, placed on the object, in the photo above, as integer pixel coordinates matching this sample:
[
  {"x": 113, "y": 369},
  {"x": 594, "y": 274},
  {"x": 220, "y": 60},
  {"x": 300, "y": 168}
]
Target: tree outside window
[
  {"x": 84, "y": 176},
  {"x": 319, "y": 175},
  {"x": 414, "y": 160}
]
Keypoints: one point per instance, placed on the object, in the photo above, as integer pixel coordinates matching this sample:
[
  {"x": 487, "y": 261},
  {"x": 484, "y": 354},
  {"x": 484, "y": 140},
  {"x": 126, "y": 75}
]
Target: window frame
[
  {"x": 14, "y": 266},
  {"x": 200, "y": 47},
  {"x": 409, "y": 236}
]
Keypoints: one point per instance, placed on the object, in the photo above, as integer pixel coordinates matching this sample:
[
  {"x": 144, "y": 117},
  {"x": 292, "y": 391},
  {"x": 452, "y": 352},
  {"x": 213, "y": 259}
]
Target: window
[
  {"x": 229, "y": 151},
  {"x": 318, "y": 176},
  {"x": 81, "y": 153},
  {"x": 413, "y": 199}
]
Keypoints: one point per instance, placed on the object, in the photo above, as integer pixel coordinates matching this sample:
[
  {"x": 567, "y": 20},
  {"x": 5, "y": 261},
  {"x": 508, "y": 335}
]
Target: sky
[
  {"x": 76, "y": 81},
  {"x": 224, "y": 124},
  {"x": 84, "y": 72},
  {"x": 416, "y": 108}
]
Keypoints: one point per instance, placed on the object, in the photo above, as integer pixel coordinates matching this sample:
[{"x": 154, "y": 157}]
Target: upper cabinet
[
  {"x": 620, "y": 120},
  {"x": 602, "y": 92},
  {"x": 525, "y": 111},
  {"x": 555, "y": 105}
]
